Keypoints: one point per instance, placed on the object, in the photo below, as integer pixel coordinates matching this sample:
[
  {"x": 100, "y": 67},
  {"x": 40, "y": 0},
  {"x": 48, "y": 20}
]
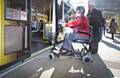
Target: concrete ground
[
  {"x": 105, "y": 65},
  {"x": 109, "y": 51},
  {"x": 63, "y": 67}
]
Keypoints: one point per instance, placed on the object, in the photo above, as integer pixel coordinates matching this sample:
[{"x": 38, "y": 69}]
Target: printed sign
[
  {"x": 16, "y": 14},
  {"x": 23, "y": 15}
]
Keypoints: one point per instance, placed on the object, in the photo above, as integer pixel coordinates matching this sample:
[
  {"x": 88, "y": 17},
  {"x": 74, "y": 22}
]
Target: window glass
[{"x": 15, "y": 9}]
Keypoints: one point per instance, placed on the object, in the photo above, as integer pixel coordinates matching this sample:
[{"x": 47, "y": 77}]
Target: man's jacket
[{"x": 96, "y": 20}]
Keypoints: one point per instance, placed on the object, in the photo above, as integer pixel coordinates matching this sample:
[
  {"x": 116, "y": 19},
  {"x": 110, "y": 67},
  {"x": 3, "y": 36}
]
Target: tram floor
[{"x": 38, "y": 43}]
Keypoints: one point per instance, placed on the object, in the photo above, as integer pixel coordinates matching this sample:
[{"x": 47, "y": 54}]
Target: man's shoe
[{"x": 93, "y": 52}]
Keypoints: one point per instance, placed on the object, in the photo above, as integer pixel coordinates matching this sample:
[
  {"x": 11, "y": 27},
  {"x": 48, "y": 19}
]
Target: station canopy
[{"x": 106, "y": 5}]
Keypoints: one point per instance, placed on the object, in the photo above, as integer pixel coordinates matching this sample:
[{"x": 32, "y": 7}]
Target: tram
[
  {"x": 17, "y": 19},
  {"x": 14, "y": 30}
]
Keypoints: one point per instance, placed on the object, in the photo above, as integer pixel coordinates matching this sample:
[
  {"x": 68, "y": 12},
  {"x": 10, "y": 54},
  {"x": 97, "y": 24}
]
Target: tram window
[
  {"x": 60, "y": 9},
  {"x": 16, "y": 4},
  {"x": 16, "y": 9}
]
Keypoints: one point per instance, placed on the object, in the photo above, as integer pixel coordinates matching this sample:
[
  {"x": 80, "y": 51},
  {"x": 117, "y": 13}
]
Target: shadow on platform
[
  {"x": 74, "y": 68},
  {"x": 111, "y": 45}
]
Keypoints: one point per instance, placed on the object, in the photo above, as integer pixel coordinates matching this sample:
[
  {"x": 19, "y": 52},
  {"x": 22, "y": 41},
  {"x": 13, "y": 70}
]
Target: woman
[
  {"x": 113, "y": 26},
  {"x": 81, "y": 24}
]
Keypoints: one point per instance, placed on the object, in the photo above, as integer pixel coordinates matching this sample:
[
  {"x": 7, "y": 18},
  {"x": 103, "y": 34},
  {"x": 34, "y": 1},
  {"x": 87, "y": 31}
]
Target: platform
[{"x": 64, "y": 67}]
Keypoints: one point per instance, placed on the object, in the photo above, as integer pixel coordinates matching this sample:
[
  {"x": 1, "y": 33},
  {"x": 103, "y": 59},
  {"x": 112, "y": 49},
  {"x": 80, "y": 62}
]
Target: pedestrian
[
  {"x": 113, "y": 26},
  {"x": 34, "y": 23},
  {"x": 41, "y": 25},
  {"x": 95, "y": 19}
]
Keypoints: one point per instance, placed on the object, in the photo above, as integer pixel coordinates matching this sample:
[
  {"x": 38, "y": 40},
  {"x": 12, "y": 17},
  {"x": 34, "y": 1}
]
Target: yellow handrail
[
  {"x": 50, "y": 16},
  {"x": 49, "y": 21}
]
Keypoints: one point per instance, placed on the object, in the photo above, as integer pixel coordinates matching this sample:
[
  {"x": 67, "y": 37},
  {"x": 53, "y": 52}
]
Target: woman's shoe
[{"x": 65, "y": 51}]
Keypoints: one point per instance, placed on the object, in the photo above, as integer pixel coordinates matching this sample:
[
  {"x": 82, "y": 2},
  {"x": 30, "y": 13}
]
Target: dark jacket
[
  {"x": 95, "y": 19},
  {"x": 113, "y": 26}
]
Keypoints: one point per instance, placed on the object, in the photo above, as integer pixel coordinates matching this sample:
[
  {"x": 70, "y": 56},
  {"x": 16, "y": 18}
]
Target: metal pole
[
  {"x": 56, "y": 36},
  {"x": 29, "y": 4},
  {"x": 54, "y": 22},
  {"x": 50, "y": 12},
  {"x": 63, "y": 10},
  {"x": 26, "y": 5}
]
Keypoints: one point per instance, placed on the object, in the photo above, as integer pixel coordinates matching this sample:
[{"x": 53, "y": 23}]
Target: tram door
[
  {"x": 41, "y": 24},
  {"x": 15, "y": 30}
]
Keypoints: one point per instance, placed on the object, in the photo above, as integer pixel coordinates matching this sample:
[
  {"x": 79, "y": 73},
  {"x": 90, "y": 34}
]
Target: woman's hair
[
  {"x": 81, "y": 9},
  {"x": 113, "y": 19}
]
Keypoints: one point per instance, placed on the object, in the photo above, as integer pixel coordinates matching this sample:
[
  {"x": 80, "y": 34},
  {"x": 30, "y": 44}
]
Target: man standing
[{"x": 95, "y": 19}]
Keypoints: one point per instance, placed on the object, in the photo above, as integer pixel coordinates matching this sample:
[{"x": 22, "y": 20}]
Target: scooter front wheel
[{"x": 52, "y": 56}]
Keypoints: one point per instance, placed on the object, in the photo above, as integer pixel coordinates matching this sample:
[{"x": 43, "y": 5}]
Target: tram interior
[
  {"x": 40, "y": 13},
  {"x": 41, "y": 22}
]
